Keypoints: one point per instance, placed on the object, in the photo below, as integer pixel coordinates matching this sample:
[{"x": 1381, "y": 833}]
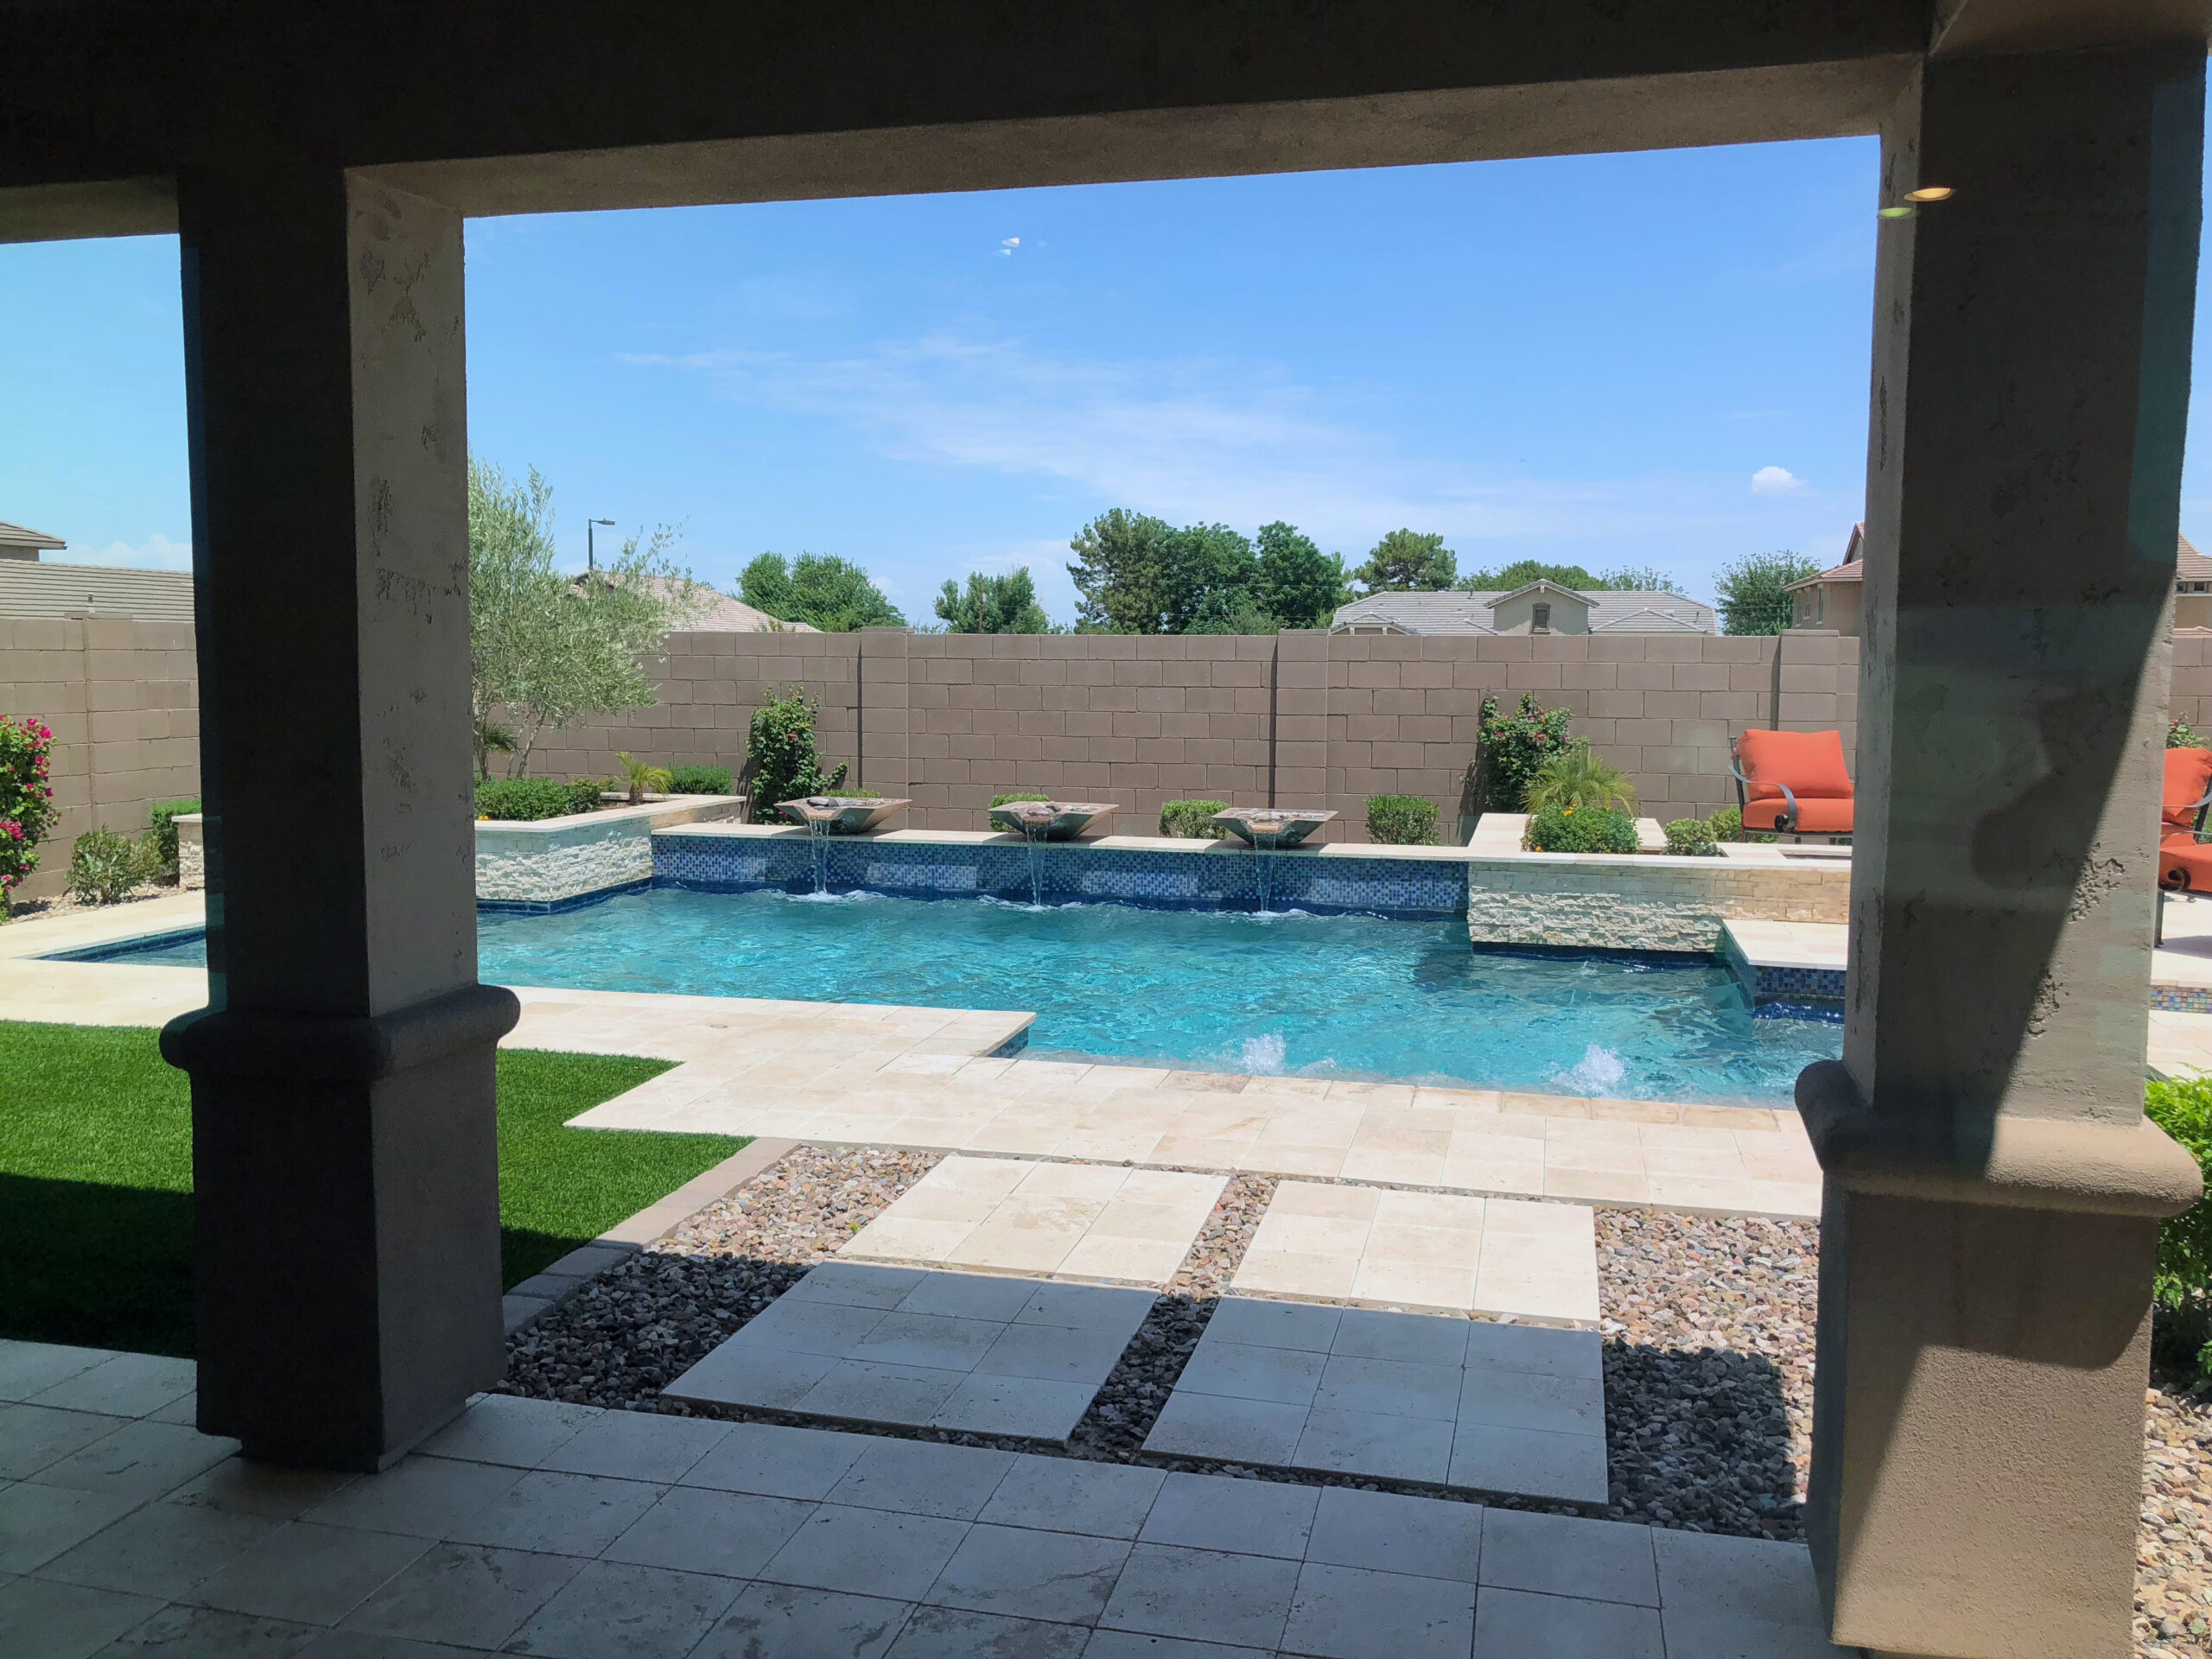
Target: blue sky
[{"x": 1650, "y": 359}]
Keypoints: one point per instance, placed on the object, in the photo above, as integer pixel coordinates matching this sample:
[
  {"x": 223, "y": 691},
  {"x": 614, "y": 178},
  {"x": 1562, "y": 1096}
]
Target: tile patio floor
[
  {"x": 530, "y": 1528},
  {"x": 1488, "y": 1408},
  {"x": 978, "y": 1353},
  {"x": 1429, "y": 1252},
  {"x": 1105, "y": 1223}
]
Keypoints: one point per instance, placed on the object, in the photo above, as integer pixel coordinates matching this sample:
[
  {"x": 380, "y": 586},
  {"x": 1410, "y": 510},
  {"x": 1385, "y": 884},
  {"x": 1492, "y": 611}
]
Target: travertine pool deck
[
  {"x": 1426, "y": 1252},
  {"x": 1466, "y": 1403},
  {"x": 581, "y": 1534},
  {"x": 1103, "y": 1223},
  {"x": 968, "y": 1352},
  {"x": 850, "y": 1074}
]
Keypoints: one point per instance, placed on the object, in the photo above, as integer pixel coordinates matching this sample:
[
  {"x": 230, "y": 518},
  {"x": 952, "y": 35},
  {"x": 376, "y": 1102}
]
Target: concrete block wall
[
  {"x": 122, "y": 699},
  {"x": 1328, "y": 720}
]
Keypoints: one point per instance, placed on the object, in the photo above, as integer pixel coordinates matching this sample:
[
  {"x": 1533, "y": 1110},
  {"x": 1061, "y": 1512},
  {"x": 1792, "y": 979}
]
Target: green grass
[{"x": 96, "y": 1178}]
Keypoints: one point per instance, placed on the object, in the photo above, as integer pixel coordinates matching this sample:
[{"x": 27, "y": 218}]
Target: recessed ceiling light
[{"x": 1929, "y": 192}]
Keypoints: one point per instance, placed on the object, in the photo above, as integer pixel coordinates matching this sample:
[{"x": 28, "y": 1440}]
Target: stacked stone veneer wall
[
  {"x": 1641, "y": 903},
  {"x": 1299, "y": 719},
  {"x": 122, "y": 700},
  {"x": 551, "y": 859}
]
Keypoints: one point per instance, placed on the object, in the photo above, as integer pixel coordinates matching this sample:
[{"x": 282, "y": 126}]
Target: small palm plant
[
  {"x": 1575, "y": 777},
  {"x": 643, "y": 778}
]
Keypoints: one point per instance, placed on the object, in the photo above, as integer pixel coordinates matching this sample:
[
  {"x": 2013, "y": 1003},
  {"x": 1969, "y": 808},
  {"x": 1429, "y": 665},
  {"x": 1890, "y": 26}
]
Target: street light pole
[{"x": 591, "y": 549}]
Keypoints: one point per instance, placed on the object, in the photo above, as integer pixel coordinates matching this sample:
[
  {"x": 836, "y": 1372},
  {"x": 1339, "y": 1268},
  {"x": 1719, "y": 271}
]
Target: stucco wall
[{"x": 122, "y": 699}]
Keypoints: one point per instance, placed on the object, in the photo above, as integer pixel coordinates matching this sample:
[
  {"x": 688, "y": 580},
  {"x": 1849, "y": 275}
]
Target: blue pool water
[{"x": 1351, "y": 996}]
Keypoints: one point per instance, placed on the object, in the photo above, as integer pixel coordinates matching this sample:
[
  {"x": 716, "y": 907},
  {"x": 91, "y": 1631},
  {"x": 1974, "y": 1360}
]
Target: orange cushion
[
  {"x": 1817, "y": 814},
  {"x": 2185, "y": 866},
  {"x": 1811, "y": 763},
  {"x": 2188, "y": 773}
]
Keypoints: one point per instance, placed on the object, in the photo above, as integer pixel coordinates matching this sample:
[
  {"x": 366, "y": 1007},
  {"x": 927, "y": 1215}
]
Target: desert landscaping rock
[{"x": 1708, "y": 1321}]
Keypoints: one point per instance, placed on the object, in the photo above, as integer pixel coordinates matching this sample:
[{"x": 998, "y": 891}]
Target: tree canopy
[
  {"x": 545, "y": 648},
  {"x": 819, "y": 589},
  {"x": 1406, "y": 562},
  {"x": 1752, "y": 591},
  {"x": 1647, "y": 579},
  {"x": 1136, "y": 574},
  {"x": 1298, "y": 584},
  {"x": 993, "y": 605}
]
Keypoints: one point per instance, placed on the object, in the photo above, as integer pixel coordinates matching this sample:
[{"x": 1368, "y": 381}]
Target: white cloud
[
  {"x": 157, "y": 552},
  {"x": 1776, "y": 480}
]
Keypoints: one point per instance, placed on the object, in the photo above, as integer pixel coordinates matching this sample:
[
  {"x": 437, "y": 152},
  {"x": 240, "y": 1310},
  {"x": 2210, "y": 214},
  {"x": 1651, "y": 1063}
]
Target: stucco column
[
  {"x": 1993, "y": 1193},
  {"x": 343, "y": 1154}
]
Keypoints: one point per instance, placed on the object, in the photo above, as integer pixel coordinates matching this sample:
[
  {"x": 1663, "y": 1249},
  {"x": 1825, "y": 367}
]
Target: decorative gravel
[{"x": 1707, "y": 1321}]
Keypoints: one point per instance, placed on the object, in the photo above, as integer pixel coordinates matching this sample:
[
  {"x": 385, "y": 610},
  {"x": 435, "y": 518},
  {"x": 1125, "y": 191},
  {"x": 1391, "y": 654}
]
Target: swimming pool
[{"x": 1350, "y": 996}]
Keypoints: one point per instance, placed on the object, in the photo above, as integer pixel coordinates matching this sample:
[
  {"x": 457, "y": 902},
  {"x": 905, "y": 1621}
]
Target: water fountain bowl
[
  {"x": 1274, "y": 828},
  {"x": 842, "y": 815},
  {"x": 1058, "y": 820}
]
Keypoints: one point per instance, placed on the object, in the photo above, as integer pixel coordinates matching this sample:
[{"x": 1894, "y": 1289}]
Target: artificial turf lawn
[{"x": 96, "y": 1178}]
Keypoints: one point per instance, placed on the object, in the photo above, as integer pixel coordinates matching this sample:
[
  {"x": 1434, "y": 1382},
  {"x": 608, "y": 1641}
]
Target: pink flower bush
[{"x": 26, "y": 798}]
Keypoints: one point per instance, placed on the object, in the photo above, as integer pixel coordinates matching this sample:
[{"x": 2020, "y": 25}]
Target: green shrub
[
  {"x": 1192, "y": 820},
  {"x": 104, "y": 866},
  {"x": 520, "y": 799},
  {"x": 584, "y": 794},
  {"x": 1009, "y": 800},
  {"x": 1513, "y": 746},
  {"x": 698, "y": 780},
  {"x": 161, "y": 834},
  {"x": 2182, "y": 1334},
  {"x": 2180, "y": 734},
  {"x": 1728, "y": 824},
  {"x": 1574, "y": 776},
  {"x": 1580, "y": 829},
  {"x": 781, "y": 759},
  {"x": 1400, "y": 820},
  {"x": 27, "y": 810},
  {"x": 1692, "y": 838}
]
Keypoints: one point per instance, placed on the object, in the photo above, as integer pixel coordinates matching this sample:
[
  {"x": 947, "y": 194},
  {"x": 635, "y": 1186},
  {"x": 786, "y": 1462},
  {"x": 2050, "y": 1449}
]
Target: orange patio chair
[
  {"x": 2185, "y": 863},
  {"x": 1793, "y": 783}
]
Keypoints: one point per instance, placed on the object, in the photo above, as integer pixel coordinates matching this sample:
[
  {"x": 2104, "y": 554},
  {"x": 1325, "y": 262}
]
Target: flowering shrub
[
  {"x": 26, "y": 798},
  {"x": 2181, "y": 735},
  {"x": 781, "y": 759},
  {"x": 1514, "y": 746}
]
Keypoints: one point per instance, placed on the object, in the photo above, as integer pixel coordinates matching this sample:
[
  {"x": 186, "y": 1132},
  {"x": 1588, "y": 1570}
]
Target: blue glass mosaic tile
[{"x": 1215, "y": 878}]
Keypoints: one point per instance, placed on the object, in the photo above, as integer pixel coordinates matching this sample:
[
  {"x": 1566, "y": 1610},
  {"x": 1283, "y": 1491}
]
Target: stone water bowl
[
  {"x": 1280, "y": 827},
  {"x": 843, "y": 815},
  {"x": 1061, "y": 820}
]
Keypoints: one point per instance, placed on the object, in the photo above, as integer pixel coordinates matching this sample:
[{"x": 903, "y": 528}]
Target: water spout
[{"x": 1034, "y": 831}]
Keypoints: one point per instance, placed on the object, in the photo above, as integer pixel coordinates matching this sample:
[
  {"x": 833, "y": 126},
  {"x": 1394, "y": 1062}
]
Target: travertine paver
[
  {"x": 977, "y": 1353},
  {"x": 932, "y": 1079},
  {"x": 768, "y": 1542},
  {"x": 1432, "y": 1252},
  {"x": 1102, "y": 1223},
  {"x": 1396, "y": 1397}
]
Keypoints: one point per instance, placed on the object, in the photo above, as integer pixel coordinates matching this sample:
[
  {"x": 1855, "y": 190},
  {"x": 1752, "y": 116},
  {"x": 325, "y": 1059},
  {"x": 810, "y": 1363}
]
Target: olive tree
[{"x": 546, "y": 648}]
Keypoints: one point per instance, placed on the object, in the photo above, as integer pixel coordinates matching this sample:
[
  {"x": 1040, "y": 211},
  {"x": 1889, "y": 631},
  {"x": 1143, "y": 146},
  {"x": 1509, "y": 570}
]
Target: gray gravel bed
[{"x": 1708, "y": 1355}]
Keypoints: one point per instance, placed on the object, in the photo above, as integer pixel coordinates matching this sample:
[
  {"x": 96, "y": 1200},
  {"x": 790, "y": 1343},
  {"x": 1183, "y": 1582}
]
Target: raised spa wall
[
  {"x": 545, "y": 861},
  {"x": 1642, "y": 902}
]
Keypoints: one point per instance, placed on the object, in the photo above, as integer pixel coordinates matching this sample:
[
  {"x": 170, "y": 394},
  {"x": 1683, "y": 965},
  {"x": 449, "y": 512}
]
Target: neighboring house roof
[
  {"x": 29, "y": 590},
  {"x": 2189, "y": 565},
  {"x": 1453, "y": 611},
  {"x": 17, "y": 541},
  {"x": 1852, "y": 569},
  {"x": 1541, "y": 585},
  {"x": 719, "y": 613}
]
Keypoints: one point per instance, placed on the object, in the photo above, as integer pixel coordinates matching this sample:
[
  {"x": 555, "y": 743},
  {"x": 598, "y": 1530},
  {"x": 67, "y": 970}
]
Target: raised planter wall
[
  {"x": 1641, "y": 902},
  {"x": 546, "y": 861}
]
